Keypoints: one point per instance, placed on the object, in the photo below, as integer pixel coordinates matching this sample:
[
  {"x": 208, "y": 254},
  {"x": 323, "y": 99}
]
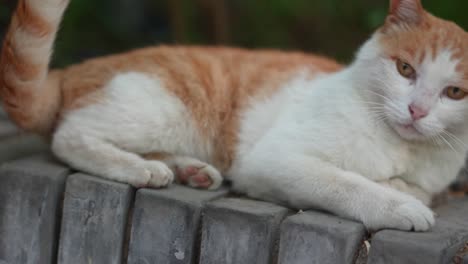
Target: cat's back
[{"x": 195, "y": 71}]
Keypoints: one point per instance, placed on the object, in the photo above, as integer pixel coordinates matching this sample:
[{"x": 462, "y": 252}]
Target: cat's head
[{"x": 414, "y": 71}]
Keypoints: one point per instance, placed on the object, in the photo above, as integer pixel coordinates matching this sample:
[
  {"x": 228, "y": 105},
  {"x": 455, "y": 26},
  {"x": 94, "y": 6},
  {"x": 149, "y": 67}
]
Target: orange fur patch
[{"x": 415, "y": 42}]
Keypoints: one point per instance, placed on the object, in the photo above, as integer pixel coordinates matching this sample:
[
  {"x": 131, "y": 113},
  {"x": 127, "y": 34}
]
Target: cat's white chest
[
  {"x": 370, "y": 153},
  {"x": 340, "y": 129},
  {"x": 356, "y": 144},
  {"x": 433, "y": 169}
]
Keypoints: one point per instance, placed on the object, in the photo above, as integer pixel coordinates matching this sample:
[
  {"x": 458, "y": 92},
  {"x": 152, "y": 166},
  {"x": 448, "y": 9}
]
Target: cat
[{"x": 372, "y": 141}]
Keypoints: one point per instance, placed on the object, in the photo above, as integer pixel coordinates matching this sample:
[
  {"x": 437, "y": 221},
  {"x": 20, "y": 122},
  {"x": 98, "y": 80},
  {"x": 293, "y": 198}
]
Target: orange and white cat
[{"x": 372, "y": 141}]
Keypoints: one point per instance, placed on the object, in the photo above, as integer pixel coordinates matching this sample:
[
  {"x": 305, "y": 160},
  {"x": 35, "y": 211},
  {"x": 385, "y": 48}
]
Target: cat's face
[{"x": 417, "y": 77}]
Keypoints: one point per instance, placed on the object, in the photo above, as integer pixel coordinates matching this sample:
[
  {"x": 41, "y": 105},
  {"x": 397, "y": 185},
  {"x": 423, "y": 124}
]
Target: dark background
[{"x": 334, "y": 28}]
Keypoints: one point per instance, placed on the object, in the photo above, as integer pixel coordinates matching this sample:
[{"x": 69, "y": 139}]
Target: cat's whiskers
[
  {"x": 387, "y": 99},
  {"x": 389, "y": 103},
  {"x": 455, "y": 138},
  {"x": 360, "y": 102},
  {"x": 435, "y": 142},
  {"x": 379, "y": 111},
  {"x": 376, "y": 111},
  {"x": 370, "y": 103},
  {"x": 450, "y": 146},
  {"x": 443, "y": 131},
  {"x": 397, "y": 113},
  {"x": 378, "y": 94}
]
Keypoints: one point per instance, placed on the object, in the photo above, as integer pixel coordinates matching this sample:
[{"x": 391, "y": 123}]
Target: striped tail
[{"x": 30, "y": 94}]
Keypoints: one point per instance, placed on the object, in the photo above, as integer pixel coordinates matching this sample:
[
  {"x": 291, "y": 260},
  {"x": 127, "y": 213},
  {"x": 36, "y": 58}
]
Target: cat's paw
[
  {"x": 418, "y": 216},
  {"x": 198, "y": 175},
  {"x": 158, "y": 174},
  {"x": 404, "y": 213},
  {"x": 152, "y": 174}
]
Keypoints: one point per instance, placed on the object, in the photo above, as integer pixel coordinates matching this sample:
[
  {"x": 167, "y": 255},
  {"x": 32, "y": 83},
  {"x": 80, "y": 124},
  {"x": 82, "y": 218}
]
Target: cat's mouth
[
  {"x": 411, "y": 127},
  {"x": 409, "y": 131}
]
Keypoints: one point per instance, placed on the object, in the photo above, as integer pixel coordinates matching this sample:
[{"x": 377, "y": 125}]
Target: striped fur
[{"x": 31, "y": 94}]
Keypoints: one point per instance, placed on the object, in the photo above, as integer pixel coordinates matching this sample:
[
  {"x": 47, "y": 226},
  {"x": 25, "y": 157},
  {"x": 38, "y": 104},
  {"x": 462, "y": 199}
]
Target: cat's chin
[{"x": 409, "y": 132}]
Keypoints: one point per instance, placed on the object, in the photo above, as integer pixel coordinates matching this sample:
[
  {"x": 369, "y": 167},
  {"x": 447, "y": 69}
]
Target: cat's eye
[
  {"x": 405, "y": 69},
  {"x": 455, "y": 93}
]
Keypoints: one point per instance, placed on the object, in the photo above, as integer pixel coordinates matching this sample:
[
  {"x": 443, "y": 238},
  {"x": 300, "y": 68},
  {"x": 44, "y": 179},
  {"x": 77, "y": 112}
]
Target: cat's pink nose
[{"x": 417, "y": 112}]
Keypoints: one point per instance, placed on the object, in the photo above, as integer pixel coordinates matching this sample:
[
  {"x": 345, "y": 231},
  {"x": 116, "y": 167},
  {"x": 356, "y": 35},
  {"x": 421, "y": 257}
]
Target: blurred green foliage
[{"x": 334, "y": 28}]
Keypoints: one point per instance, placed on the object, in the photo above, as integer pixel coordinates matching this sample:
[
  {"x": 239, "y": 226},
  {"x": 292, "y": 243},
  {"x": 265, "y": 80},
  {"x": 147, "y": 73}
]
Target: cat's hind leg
[
  {"x": 132, "y": 115},
  {"x": 101, "y": 158},
  {"x": 190, "y": 171}
]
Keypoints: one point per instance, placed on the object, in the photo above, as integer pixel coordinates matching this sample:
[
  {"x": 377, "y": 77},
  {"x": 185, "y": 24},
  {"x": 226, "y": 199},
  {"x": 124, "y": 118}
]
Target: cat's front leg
[
  {"x": 411, "y": 189},
  {"x": 306, "y": 182}
]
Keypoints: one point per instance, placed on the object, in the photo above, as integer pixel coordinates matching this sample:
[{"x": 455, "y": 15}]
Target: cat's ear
[{"x": 406, "y": 11}]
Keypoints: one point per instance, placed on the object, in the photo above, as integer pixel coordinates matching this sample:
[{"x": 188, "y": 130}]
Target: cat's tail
[{"x": 31, "y": 95}]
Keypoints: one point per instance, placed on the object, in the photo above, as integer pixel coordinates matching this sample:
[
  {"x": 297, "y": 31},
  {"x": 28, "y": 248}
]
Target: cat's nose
[{"x": 416, "y": 112}]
